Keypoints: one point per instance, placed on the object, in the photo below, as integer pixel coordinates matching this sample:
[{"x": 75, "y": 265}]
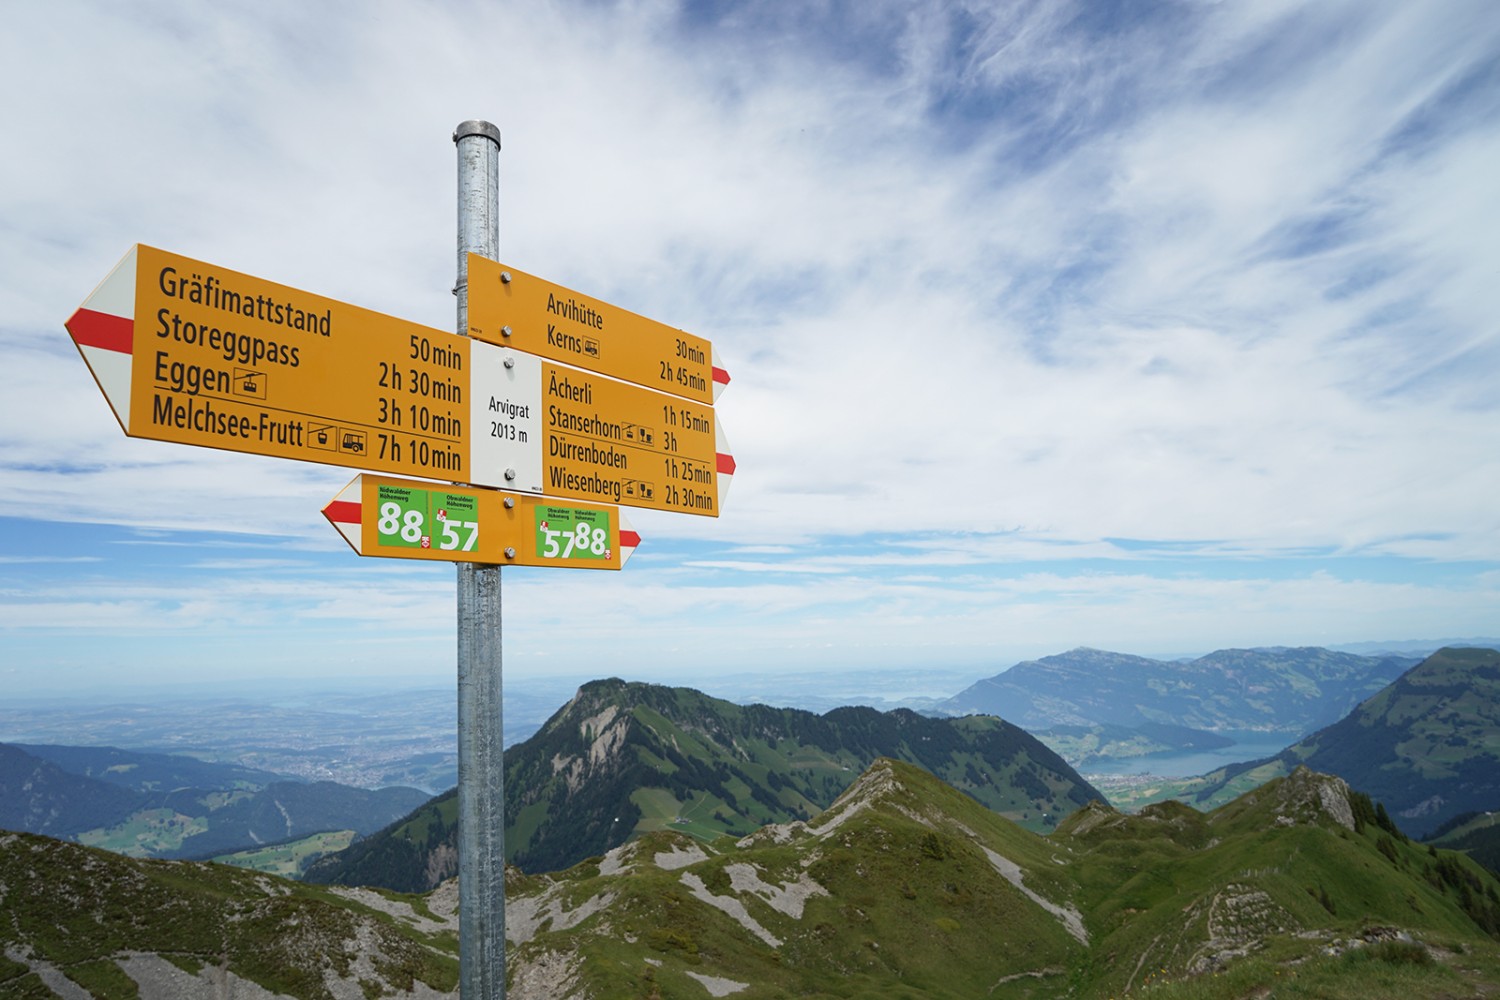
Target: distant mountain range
[
  {"x": 902, "y": 888},
  {"x": 1427, "y": 746},
  {"x": 624, "y": 759},
  {"x": 160, "y": 805},
  {"x": 1280, "y": 690},
  {"x": 150, "y": 772}
]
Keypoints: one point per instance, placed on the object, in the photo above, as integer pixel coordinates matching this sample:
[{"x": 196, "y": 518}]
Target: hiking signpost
[
  {"x": 193, "y": 353},
  {"x": 526, "y": 430}
]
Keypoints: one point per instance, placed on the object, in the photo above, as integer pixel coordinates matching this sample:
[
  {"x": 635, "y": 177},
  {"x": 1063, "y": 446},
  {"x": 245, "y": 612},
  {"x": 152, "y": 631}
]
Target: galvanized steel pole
[{"x": 481, "y": 745}]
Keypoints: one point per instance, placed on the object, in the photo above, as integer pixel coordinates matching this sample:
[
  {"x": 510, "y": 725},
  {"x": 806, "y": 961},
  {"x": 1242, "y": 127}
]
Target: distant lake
[{"x": 1195, "y": 762}]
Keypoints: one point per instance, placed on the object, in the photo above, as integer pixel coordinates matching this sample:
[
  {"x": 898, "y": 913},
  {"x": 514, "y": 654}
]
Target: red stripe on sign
[
  {"x": 629, "y": 540},
  {"x": 726, "y": 464},
  {"x": 722, "y": 376},
  {"x": 342, "y": 512},
  {"x": 101, "y": 330}
]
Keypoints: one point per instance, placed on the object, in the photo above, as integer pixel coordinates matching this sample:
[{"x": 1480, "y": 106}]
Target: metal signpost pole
[{"x": 481, "y": 755}]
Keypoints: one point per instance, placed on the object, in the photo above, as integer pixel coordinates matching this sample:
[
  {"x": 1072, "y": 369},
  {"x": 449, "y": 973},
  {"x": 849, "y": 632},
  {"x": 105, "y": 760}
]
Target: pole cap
[{"x": 475, "y": 126}]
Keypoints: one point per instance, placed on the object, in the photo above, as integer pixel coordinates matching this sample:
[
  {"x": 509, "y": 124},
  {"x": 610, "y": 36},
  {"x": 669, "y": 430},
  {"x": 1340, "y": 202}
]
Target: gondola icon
[{"x": 248, "y": 382}]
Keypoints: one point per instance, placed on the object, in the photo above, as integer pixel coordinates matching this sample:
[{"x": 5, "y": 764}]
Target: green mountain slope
[
  {"x": 37, "y": 796},
  {"x": 621, "y": 760},
  {"x": 123, "y": 927},
  {"x": 286, "y": 810},
  {"x": 1427, "y": 746},
  {"x": 1475, "y": 834},
  {"x": 1192, "y": 893},
  {"x": 904, "y": 888},
  {"x": 1278, "y": 690}
]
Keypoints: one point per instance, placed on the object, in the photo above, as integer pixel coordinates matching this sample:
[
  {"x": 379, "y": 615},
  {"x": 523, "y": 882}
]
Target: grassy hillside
[
  {"x": 887, "y": 906},
  {"x": 1476, "y": 834},
  {"x": 903, "y": 889},
  {"x": 1190, "y": 893},
  {"x": 289, "y": 859},
  {"x": 99, "y": 920}
]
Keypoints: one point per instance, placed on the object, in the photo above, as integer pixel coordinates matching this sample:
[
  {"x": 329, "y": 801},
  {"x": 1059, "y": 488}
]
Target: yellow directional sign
[
  {"x": 406, "y": 519},
  {"x": 198, "y": 354},
  {"x": 514, "y": 309}
]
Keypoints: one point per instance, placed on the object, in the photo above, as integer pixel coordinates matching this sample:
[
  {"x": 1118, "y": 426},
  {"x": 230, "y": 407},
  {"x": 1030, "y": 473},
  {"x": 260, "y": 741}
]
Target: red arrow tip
[
  {"x": 96, "y": 329},
  {"x": 342, "y": 512},
  {"x": 721, "y": 376},
  {"x": 726, "y": 465}
]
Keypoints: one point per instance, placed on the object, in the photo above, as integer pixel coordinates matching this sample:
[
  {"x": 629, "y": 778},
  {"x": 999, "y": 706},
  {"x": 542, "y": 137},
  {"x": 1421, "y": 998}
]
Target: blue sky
[{"x": 1157, "y": 327}]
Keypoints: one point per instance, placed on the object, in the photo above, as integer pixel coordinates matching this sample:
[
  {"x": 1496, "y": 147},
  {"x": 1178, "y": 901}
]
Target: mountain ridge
[
  {"x": 625, "y": 758},
  {"x": 150, "y": 771}
]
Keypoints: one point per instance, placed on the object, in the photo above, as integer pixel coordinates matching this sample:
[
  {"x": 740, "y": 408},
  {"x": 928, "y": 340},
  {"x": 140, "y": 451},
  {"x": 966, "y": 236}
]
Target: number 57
[{"x": 451, "y": 539}]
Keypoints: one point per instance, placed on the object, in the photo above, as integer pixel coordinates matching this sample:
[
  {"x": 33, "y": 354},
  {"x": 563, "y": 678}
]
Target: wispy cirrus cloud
[{"x": 1184, "y": 313}]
